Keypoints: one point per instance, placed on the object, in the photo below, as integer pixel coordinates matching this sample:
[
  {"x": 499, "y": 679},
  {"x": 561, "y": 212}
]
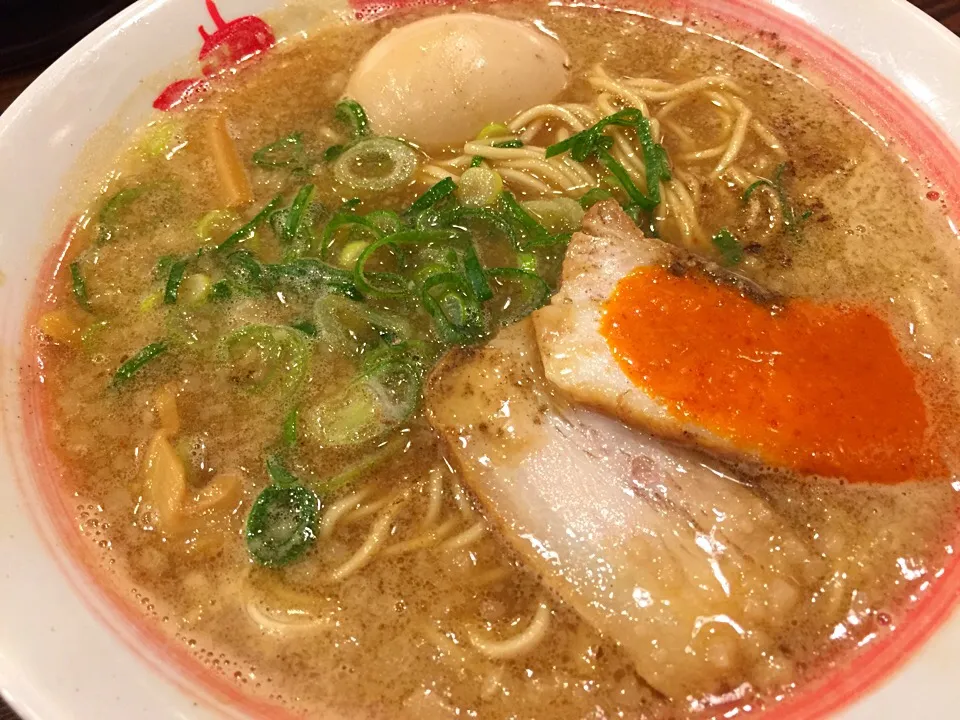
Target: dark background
[{"x": 34, "y": 33}]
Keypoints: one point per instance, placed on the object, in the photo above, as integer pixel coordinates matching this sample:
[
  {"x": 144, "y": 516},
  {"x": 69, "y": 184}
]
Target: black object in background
[{"x": 37, "y": 31}]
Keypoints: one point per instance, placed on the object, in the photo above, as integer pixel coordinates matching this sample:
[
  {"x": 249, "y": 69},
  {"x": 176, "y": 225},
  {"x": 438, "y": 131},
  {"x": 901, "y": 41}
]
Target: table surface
[{"x": 946, "y": 11}]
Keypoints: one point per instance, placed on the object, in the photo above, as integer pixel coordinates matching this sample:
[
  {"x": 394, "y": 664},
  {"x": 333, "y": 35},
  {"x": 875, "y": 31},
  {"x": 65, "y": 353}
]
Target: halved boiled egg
[{"x": 437, "y": 82}]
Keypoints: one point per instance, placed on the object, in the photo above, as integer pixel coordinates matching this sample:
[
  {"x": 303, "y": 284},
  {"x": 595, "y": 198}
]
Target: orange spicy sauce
[{"x": 820, "y": 389}]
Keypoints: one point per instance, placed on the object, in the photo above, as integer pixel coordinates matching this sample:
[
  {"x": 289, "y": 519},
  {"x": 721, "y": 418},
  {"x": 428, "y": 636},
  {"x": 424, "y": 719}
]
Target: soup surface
[{"x": 237, "y": 358}]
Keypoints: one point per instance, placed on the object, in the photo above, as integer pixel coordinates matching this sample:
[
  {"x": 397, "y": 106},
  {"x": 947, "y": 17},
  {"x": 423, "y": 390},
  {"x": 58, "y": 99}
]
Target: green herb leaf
[
  {"x": 79, "y": 285},
  {"x": 136, "y": 363},
  {"x": 289, "y": 432},
  {"x": 174, "y": 279},
  {"x": 729, "y": 248},
  {"x": 281, "y": 524}
]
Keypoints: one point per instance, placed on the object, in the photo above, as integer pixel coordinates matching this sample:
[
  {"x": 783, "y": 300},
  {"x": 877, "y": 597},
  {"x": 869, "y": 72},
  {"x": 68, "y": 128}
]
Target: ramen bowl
[{"x": 73, "y": 644}]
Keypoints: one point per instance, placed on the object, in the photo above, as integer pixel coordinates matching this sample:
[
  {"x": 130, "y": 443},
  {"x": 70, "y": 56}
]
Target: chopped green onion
[
  {"x": 776, "y": 184},
  {"x": 622, "y": 176},
  {"x": 512, "y": 143},
  {"x": 791, "y": 221},
  {"x": 287, "y": 152},
  {"x": 173, "y": 282},
  {"x": 479, "y": 187},
  {"x": 292, "y": 228},
  {"x": 162, "y": 267},
  {"x": 348, "y": 418},
  {"x": 307, "y": 275},
  {"x": 386, "y": 221},
  {"x": 593, "y": 196},
  {"x": 195, "y": 289},
  {"x": 534, "y": 293},
  {"x": 493, "y": 130},
  {"x": 431, "y": 197},
  {"x": 215, "y": 223},
  {"x": 536, "y": 234},
  {"x": 136, "y": 363},
  {"x": 280, "y": 527},
  {"x": 79, "y": 285},
  {"x": 351, "y": 114},
  {"x": 391, "y": 284},
  {"x": 477, "y": 161},
  {"x": 289, "y": 433},
  {"x": 160, "y": 137},
  {"x": 586, "y": 142},
  {"x": 341, "y": 321},
  {"x": 559, "y": 215},
  {"x": 333, "y": 152},
  {"x": 592, "y": 142},
  {"x": 475, "y": 277},
  {"x": 151, "y": 301},
  {"x": 416, "y": 353},
  {"x": 527, "y": 261},
  {"x": 360, "y": 469},
  {"x": 456, "y": 217},
  {"x": 245, "y": 272},
  {"x": 265, "y": 357},
  {"x": 350, "y": 220},
  {"x": 307, "y": 327},
  {"x": 350, "y": 253},
  {"x": 382, "y": 398},
  {"x": 456, "y": 313},
  {"x": 376, "y": 164},
  {"x": 279, "y": 475},
  {"x": 220, "y": 291},
  {"x": 731, "y": 253},
  {"x": 654, "y": 159},
  {"x": 246, "y": 231}
]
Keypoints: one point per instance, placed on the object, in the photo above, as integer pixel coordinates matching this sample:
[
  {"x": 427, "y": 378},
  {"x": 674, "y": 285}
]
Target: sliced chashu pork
[
  {"x": 674, "y": 344},
  {"x": 576, "y": 356},
  {"x": 683, "y": 566}
]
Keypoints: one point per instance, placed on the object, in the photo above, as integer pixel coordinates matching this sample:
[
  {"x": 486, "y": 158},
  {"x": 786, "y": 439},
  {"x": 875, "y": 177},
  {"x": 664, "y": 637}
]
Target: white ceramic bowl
[{"x": 68, "y": 651}]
